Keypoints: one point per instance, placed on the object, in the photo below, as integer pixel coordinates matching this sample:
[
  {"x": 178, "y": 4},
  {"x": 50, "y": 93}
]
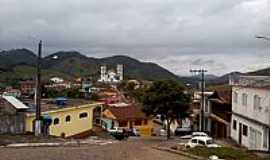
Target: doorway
[{"x": 240, "y": 134}]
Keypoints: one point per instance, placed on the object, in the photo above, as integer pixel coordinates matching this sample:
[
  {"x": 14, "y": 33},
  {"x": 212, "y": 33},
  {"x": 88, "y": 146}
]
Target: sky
[{"x": 218, "y": 35}]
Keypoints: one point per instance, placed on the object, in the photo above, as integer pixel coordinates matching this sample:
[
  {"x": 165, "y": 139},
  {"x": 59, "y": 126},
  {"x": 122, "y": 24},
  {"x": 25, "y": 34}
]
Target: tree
[{"x": 168, "y": 99}]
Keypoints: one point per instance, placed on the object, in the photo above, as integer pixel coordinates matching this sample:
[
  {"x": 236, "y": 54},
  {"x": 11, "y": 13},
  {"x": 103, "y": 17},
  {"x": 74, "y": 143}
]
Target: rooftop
[
  {"x": 52, "y": 104},
  {"x": 15, "y": 102},
  {"x": 251, "y": 81},
  {"x": 127, "y": 113}
]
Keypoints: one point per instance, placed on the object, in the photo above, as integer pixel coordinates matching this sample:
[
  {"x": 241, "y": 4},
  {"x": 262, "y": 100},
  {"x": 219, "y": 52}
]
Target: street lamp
[{"x": 263, "y": 37}]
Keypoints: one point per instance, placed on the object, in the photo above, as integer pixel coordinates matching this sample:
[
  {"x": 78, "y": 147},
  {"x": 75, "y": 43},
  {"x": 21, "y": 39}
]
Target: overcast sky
[{"x": 176, "y": 34}]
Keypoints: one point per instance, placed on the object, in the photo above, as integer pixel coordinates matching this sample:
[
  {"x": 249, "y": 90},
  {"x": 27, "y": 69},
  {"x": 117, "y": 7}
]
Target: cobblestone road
[{"x": 126, "y": 150}]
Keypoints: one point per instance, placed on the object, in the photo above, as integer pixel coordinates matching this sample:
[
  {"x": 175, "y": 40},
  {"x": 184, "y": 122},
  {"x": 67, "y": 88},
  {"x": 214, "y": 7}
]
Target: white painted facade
[
  {"x": 207, "y": 121},
  {"x": 111, "y": 76},
  {"x": 251, "y": 117}
]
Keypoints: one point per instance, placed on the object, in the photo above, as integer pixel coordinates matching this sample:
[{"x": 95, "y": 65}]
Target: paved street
[{"x": 135, "y": 149}]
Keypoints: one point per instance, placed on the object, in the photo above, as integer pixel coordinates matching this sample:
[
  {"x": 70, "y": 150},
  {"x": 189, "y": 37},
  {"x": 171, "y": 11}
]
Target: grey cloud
[
  {"x": 151, "y": 30},
  {"x": 200, "y": 62}
]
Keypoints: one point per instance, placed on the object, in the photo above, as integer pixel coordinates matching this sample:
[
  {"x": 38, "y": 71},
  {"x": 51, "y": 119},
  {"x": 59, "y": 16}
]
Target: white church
[{"x": 111, "y": 76}]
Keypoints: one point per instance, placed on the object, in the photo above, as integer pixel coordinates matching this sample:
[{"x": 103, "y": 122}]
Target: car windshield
[
  {"x": 209, "y": 141},
  {"x": 199, "y": 134}
]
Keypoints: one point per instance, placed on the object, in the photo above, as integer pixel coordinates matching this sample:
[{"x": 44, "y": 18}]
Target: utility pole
[
  {"x": 38, "y": 92},
  {"x": 201, "y": 71}
]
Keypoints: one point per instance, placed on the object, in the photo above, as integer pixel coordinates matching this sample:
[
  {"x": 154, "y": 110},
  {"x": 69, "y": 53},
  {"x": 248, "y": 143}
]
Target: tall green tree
[{"x": 168, "y": 99}]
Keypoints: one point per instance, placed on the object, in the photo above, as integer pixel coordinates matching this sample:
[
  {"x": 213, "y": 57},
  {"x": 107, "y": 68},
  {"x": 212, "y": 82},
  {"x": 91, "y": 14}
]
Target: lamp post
[{"x": 38, "y": 121}]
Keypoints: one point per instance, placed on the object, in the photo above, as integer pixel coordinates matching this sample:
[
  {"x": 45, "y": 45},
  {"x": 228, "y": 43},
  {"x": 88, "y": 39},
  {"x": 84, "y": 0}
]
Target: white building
[
  {"x": 197, "y": 111},
  {"x": 250, "y": 122},
  {"x": 111, "y": 76},
  {"x": 57, "y": 80}
]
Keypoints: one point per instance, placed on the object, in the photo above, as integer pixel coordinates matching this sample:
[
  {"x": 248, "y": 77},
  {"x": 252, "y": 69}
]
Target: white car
[
  {"x": 115, "y": 130},
  {"x": 201, "y": 142},
  {"x": 195, "y": 134},
  {"x": 199, "y": 134}
]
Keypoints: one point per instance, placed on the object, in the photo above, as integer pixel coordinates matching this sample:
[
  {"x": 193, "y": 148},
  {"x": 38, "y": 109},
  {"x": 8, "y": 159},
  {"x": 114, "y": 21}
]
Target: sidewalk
[{"x": 88, "y": 141}]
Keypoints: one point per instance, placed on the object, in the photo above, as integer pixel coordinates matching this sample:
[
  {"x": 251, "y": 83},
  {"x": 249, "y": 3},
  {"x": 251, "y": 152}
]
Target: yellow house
[
  {"x": 73, "y": 118},
  {"x": 127, "y": 117}
]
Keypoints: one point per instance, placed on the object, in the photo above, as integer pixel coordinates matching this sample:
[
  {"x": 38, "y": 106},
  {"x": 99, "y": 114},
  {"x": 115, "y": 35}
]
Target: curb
[
  {"x": 17, "y": 145},
  {"x": 179, "y": 153},
  {"x": 57, "y": 144}
]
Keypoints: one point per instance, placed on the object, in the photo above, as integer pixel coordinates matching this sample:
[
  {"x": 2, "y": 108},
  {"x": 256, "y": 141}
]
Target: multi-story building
[
  {"x": 196, "y": 109},
  {"x": 250, "y": 124},
  {"x": 218, "y": 113},
  {"x": 27, "y": 87}
]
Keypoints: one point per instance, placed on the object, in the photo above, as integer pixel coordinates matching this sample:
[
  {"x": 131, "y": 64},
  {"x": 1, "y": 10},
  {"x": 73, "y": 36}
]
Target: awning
[{"x": 217, "y": 118}]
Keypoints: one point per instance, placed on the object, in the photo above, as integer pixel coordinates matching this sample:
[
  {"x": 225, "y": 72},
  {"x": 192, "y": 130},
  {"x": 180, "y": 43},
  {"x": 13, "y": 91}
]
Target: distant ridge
[{"x": 20, "y": 64}]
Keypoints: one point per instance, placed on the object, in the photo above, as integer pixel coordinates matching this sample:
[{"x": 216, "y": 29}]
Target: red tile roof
[{"x": 131, "y": 112}]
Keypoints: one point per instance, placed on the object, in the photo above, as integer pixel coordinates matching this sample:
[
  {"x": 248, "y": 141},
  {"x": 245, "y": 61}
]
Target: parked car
[
  {"x": 201, "y": 142},
  {"x": 182, "y": 131},
  {"x": 115, "y": 130},
  {"x": 118, "y": 133},
  {"x": 199, "y": 134}
]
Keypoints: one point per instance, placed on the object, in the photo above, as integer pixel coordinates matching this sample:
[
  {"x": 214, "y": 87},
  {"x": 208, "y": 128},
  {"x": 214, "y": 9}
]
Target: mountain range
[{"x": 20, "y": 64}]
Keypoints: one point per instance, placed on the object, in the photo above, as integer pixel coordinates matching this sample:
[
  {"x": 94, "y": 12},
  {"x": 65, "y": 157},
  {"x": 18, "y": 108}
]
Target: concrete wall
[
  {"x": 13, "y": 124},
  {"x": 11, "y": 121}
]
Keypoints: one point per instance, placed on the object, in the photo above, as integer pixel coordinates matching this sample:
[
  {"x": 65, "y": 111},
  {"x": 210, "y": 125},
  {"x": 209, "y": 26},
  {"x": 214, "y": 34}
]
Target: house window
[
  {"x": 145, "y": 122},
  {"x": 194, "y": 141},
  {"x": 123, "y": 123},
  {"x": 244, "y": 99},
  {"x": 68, "y": 118},
  {"x": 138, "y": 122},
  {"x": 201, "y": 142},
  {"x": 235, "y": 97},
  {"x": 256, "y": 102},
  {"x": 56, "y": 121},
  {"x": 234, "y": 124},
  {"x": 83, "y": 115},
  {"x": 245, "y": 130}
]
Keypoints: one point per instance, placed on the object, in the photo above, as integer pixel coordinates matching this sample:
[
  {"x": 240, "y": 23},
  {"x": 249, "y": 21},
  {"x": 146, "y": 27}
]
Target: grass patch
[{"x": 225, "y": 153}]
